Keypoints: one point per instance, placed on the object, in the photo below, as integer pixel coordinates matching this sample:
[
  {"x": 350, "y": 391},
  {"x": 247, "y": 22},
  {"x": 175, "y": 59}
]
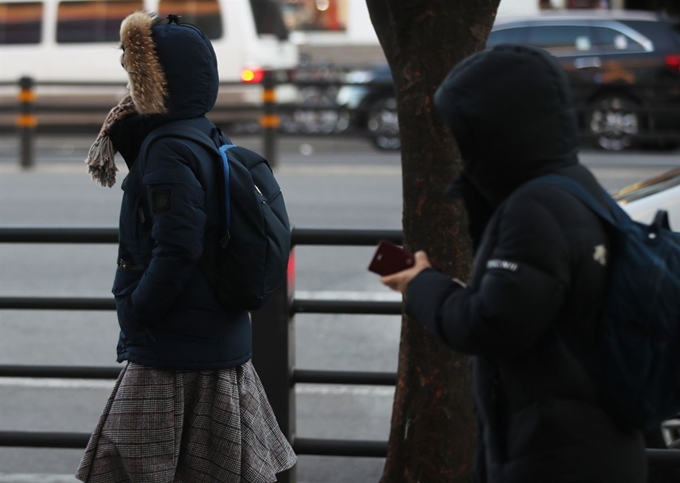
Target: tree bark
[{"x": 433, "y": 427}]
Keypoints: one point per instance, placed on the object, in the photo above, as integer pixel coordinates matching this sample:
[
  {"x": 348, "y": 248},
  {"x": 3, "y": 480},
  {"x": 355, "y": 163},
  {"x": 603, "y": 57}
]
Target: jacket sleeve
[
  {"x": 520, "y": 294},
  {"x": 176, "y": 201}
]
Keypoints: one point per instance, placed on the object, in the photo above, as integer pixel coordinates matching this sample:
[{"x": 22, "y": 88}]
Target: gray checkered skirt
[{"x": 162, "y": 426}]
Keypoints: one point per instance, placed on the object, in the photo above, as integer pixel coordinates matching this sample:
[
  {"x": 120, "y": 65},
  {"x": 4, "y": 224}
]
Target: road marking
[
  {"x": 600, "y": 173},
  {"x": 300, "y": 389},
  {"x": 36, "y": 478},
  {"x": 307, "y": 170},
  {"x": 340, "y": 170},
  {"x": 299, "y": 170},
  {"x": 51, "y": 168},
  {"x": 342, "y": 390},
  {"x": 47, "y": 383},
  {"x": 348, "y": 295}
]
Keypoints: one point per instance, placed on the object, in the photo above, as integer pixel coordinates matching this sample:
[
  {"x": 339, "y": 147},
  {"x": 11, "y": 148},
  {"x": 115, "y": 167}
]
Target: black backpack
[
  {"x": 636, "y": 366},
  {"x": 254, "y": 242}
]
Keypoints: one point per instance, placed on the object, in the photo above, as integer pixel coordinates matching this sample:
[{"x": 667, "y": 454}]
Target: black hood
[
  {"x": 511, "y": 111},
  {"x": 190, "y": 65}
]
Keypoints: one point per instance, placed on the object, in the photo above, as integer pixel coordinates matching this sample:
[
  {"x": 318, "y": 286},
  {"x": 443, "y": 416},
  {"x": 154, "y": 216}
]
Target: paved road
[{"x": 326, "y": 183}]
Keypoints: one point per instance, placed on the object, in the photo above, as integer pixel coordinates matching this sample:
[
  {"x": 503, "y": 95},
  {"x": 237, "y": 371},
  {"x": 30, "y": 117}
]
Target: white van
[{"x": 77, "y": 41}]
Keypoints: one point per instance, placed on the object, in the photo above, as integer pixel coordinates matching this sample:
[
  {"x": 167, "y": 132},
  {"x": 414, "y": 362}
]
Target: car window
[
  {"x": 608, "y": 40},
  {"x": 561, "y": 39},
  {"x": 504, "y": 36},
  {"x": 20, "y": 23},
  {"x": 93, "y": 21},
  {"x": 675, "y": 32},
  {"x": 660, "y": 33},
  {"x": 204, "y": 14},
  {"x": 269, "y": 18}
]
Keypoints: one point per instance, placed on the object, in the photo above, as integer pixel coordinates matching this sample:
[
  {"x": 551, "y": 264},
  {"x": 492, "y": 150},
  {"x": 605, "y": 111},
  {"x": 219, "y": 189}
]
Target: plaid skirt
[{"x": 162, "y": 426}]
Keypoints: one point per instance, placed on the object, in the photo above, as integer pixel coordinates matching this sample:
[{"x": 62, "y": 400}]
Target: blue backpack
[
  {"x": 254, "y": 244},
  {"x": 636, "y": 366}
]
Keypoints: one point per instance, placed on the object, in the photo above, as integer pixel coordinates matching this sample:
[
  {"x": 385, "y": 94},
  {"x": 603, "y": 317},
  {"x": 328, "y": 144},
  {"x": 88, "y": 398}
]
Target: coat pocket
[
  {"x": 135, "y": 220},
  {"x": 124, "y": 285}
]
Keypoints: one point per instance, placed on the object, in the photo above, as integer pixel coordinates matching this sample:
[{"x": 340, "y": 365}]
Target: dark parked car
[
  {"x": 367, "y": 103},
  {"x": 624, "y": 68}
]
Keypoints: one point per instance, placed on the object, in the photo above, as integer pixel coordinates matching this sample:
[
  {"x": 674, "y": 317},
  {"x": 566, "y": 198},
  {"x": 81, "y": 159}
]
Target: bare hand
[{"x": 398, "y": 281}]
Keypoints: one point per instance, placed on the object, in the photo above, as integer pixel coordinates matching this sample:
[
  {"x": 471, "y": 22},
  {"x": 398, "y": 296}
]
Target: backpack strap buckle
[
  {"x": 660, "y": 223},
  {"x": 225, "y": 240}
]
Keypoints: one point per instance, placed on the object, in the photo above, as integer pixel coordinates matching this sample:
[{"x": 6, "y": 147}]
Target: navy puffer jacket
[{"x": 168, "y": 314}]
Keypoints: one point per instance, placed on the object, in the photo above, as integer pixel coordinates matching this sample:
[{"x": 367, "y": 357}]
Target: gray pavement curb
[{"x": 36, "y": 478}]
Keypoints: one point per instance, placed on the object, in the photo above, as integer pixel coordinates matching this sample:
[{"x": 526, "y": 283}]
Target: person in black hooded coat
[{"x": 538, "y": 282}]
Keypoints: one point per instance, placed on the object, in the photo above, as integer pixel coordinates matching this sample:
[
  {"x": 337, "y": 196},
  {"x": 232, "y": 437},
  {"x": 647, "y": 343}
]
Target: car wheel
[
  {"x": 383, "y": 124},
  {"x": 665, "y": 437},
  {"x": 614, "y": 122},
  {"x": 670, "y": 430}
]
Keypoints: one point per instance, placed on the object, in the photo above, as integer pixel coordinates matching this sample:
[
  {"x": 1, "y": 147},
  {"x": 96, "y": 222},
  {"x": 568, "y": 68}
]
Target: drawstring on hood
[
  {"x": 172, "y": 72},
  {"x": 511, "y": 112}
]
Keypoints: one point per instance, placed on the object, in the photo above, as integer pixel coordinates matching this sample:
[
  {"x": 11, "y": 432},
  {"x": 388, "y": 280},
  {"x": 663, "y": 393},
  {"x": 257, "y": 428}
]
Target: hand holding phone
[{"x": 390, "y": 258}]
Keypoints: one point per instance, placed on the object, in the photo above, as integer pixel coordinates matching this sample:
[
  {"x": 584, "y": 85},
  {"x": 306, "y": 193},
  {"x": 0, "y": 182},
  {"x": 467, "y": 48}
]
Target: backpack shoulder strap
[
  {"x": 179, "y": 129},
  {"x": 614, "y": 215}
]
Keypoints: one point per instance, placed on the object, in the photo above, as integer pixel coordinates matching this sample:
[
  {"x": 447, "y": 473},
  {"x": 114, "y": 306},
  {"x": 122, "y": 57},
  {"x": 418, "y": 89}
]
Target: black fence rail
[
  {"x": 314, "y": 113},
  {"x": 273, "y": 330}
]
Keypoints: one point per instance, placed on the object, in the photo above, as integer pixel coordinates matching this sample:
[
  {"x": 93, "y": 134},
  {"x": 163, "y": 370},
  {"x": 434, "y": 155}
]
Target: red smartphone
[{"x": 390, "y": 258}]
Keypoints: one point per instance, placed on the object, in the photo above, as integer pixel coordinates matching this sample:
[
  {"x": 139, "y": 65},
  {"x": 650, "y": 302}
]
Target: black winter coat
[{"x": 538, "y": 283}]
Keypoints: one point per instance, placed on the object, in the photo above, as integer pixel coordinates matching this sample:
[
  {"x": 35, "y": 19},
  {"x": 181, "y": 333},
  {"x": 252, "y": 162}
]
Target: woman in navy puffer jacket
[{"x": 189, "y": 405}]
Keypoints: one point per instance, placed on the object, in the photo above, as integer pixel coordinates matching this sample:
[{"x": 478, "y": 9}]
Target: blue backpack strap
[
  {"x": 614, "y": 216},
  {"x": 227, "y": 185}
]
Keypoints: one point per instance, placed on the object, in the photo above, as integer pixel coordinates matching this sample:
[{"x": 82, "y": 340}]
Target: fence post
[
  {"x": 270, "y": 119},
  {"x": 26, "y": 122},
  {"x": 274, "y": 357}
]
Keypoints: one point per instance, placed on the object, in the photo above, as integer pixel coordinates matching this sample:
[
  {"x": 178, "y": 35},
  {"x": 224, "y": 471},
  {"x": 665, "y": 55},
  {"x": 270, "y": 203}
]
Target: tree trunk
[{"x": 433, "y": 427}]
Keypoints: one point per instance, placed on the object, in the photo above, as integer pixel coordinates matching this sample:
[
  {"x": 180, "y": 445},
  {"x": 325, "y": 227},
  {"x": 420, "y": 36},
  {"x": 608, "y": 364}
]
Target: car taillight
[
  {"x": 252, "y": 76},
  {"x": 673, "y": 61}
]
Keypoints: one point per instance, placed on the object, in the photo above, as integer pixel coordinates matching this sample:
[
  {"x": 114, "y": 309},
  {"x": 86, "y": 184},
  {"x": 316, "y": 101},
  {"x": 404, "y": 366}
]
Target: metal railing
[
  {"x": 269, "y": 112},
  {"x": 273, "y": 331},
  {"x": 281, "y": 119}
]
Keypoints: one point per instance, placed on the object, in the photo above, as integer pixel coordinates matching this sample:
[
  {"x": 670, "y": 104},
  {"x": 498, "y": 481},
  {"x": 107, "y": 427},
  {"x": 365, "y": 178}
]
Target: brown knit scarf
[{"x": 100, "y": 158}]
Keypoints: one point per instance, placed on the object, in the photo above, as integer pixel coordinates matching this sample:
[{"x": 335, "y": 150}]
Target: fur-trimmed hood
[
  {"x": 171, "y": 66},
  {"x": 172, "y": 70}
]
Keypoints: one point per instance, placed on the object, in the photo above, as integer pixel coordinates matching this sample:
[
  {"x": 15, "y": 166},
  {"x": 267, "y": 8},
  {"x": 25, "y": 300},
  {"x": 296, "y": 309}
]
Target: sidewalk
[{"x": 36, "y": 478}]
